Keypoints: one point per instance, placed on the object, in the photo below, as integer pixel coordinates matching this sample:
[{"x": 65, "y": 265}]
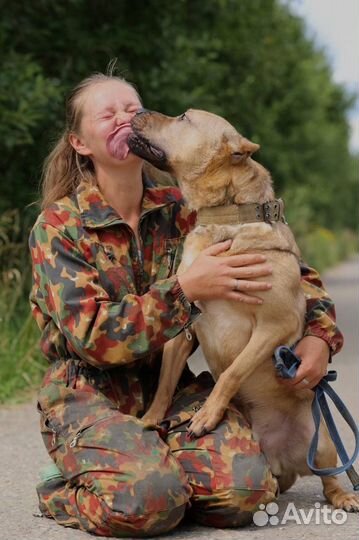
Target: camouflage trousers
[{"x": 121, "y": 478}]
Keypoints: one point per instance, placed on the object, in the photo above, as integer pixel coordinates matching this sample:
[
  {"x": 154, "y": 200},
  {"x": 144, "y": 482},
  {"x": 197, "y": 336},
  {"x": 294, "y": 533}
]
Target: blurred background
[{"x": 259, "y": 63}]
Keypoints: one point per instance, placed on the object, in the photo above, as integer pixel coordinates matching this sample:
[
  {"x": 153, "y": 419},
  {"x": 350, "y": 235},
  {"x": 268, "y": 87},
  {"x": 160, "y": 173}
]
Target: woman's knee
[
  {"x": 229, "y": 474},
  {"x": 234, "y": 505},
  {"x": 98, "y": 503},
  {"x": 229, "y": 508},
  {"x": 152, "y": 505}
]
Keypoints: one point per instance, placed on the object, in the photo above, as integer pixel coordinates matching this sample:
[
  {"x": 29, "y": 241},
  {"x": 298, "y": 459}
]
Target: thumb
[{"x": 218, "y": 248}]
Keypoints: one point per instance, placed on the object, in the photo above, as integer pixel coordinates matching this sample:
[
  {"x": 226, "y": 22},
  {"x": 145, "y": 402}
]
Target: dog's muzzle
[{"x": 140, "y": 146}]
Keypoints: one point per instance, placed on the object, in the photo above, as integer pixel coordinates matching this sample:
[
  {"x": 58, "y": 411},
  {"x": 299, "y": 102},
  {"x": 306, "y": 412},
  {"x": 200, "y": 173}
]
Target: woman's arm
[
  {"x": 101, "y": 332},
  {"x": 322, "y": 338},
  {"x": 320, "y": 316}
]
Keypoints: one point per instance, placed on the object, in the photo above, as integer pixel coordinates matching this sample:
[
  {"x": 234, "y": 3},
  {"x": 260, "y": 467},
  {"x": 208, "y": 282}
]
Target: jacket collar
[{"x": 96, "y": 212}]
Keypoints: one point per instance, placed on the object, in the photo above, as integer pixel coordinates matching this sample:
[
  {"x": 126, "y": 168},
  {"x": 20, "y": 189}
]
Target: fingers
[
  {"x": 305, "y": 384},
  {"x": 245, "y": 259},
  {"x": 244, "y": 285},
  {"x": 304, "y": 380},
  {"x": 249, "y": 272},
  {"x": 220, "y": 247},
  {"x": 302, "y": 383},
  {"x": 229, "y": 276},
  {"x": 245, "y": 298}
]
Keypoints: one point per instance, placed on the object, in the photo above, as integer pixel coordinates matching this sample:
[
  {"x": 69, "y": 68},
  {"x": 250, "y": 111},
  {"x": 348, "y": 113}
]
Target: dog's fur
[{"x": 213, "y": 164}]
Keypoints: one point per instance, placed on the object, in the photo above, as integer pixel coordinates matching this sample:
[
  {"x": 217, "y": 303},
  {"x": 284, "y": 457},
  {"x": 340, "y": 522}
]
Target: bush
[
  {"x": 322, "y": 248},
  {"x": 21, "y": 366}
]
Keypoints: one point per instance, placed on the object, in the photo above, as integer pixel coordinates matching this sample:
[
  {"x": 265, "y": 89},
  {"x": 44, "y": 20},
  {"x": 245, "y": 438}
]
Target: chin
[{"x": 128, "y": 160}]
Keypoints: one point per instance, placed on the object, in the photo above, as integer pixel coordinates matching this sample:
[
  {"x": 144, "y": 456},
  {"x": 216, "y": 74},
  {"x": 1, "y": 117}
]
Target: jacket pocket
[
  {"x": 116, "y": 276},
  {"x": 74, "y": 441},
  {"x": 49, "y": 432}
]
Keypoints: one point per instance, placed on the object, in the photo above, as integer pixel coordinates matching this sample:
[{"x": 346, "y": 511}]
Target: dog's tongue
[{"x": 117, "y": 143}]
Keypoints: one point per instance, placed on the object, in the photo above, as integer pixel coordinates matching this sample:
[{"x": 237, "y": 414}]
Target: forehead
[{"x": 109, "y": 94}]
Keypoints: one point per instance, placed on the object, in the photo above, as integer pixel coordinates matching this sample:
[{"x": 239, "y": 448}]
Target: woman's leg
[
  {"x": 119, "y": 478},
  {"x": 229, "y": 475}
]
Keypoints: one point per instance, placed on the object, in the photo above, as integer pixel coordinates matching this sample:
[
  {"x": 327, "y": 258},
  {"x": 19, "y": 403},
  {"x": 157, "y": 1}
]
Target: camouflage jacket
[{"x": 98, "y": 298}]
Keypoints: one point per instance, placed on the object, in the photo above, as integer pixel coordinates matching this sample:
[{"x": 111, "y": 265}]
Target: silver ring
[
  {"x": 237, "y": 285},
  {"x": 305, "y": 381}
]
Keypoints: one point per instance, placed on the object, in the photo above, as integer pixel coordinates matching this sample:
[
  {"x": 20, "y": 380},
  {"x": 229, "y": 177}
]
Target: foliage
[
  {"x": 249, "y": 61},
  {"x": 323, "y": 248},
  {"x": 20, "y": 363}
]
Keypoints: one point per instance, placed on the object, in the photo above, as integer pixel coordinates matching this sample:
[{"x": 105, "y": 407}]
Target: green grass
[{"x": 21, "y": 363}]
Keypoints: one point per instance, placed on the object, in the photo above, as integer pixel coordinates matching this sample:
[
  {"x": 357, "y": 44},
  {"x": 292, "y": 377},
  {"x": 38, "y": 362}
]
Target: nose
[{"x": 123, "y": 116}]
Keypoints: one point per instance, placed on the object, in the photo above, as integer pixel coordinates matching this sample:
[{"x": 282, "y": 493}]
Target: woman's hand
[
  {"x": 228, "y": 277},
  {"x": 314, "y": 353}
]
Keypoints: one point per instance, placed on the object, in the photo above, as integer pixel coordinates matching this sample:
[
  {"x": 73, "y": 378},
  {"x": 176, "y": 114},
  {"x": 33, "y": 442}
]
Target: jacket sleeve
[
  {"x": 320, "y": 316},
  {"x": 101, "y": 332}
]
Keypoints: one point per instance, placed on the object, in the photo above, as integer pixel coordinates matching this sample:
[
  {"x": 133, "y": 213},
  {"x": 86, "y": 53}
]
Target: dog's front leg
[
  {"x": 175, "y": 355},
  {"x": 259, "y": 349},
  {"x": 332, "y": 489}
]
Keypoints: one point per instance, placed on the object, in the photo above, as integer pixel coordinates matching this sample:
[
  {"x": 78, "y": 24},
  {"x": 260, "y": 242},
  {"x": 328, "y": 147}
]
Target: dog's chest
[
  {"x": 223, "y": 330},
  {"x": 246, "y": 238}
]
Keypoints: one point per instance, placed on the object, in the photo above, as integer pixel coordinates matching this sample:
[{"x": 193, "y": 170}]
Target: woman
[{"x": 105, "y": 250}]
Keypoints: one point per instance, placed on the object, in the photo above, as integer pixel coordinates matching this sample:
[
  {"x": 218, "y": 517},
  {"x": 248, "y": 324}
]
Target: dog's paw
[
  {"x": 347, "y": 501},
  {"x": 152, "y": 418},
  {"x": 206, "y": 419}
]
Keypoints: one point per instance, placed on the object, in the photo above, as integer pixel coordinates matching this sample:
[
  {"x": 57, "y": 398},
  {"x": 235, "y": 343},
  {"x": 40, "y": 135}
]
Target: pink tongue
[{"x": 117, "y": 146}]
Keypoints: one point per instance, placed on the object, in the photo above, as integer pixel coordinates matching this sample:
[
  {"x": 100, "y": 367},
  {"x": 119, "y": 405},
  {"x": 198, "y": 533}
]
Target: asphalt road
[{"x": 22, "y": 455}]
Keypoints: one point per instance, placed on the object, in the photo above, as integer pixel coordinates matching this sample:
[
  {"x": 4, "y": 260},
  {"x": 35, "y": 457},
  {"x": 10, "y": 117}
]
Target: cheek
[{"x": 97, "y": 135}]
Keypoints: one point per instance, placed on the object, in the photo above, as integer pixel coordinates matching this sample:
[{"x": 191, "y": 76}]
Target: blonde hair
[{"x": 64, "y": 168}]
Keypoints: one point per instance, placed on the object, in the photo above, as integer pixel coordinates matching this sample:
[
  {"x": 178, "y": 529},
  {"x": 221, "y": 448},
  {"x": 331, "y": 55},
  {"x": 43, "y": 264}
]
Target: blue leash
[{"x": 286, "y": 363}]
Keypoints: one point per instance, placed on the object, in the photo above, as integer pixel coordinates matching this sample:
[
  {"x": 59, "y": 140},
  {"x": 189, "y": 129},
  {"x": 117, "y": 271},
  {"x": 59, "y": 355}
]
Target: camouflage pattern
[
  {"x": 95, "y": 296},
  {"x": 121, "y": 479},
  {"x": 320, "y": 316},
  {"x": 105, "y": 311},
  {"x": 229, "y": 475}
]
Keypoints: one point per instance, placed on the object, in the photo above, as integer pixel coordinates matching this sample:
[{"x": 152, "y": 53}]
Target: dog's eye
[
  {"x": 183, "y": 116},
  {"x": 238, "y": 157}
]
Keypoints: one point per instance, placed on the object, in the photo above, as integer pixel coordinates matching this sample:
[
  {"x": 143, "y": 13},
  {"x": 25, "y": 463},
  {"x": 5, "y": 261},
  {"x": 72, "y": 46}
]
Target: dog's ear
[{"x": 245, "y": 149}]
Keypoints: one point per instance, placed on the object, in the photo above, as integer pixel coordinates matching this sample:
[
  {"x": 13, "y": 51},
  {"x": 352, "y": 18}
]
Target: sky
[{"x": 335, "y": 25}]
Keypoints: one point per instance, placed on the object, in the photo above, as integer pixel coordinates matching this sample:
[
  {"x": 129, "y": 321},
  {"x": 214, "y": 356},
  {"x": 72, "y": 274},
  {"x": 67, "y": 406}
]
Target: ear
[
  {"x": 79, "y": 145},
  {"x": 245, "y": 149}
]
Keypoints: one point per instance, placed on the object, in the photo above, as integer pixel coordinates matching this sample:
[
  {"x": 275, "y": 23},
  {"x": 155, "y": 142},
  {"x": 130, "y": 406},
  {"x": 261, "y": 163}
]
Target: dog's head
[{"x": 202, "y": 150}]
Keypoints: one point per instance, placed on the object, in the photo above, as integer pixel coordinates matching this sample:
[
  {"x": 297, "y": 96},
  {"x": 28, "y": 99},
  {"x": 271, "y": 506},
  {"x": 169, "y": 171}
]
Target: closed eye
[{"x": 183, "y": 117}]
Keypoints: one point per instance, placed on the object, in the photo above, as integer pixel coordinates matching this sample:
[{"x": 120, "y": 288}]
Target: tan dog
[{"x": 213, "y": 165}]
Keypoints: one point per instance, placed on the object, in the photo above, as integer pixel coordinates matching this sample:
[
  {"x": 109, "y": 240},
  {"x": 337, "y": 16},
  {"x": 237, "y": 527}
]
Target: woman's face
[{"x": 107, "y": 108}]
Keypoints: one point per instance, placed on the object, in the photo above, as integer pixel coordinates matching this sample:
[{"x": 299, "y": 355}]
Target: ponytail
[{"x": 63, "y": 171}]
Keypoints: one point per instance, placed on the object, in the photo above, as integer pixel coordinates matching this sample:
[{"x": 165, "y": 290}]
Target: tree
[{"x": 251, "y": 62}]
